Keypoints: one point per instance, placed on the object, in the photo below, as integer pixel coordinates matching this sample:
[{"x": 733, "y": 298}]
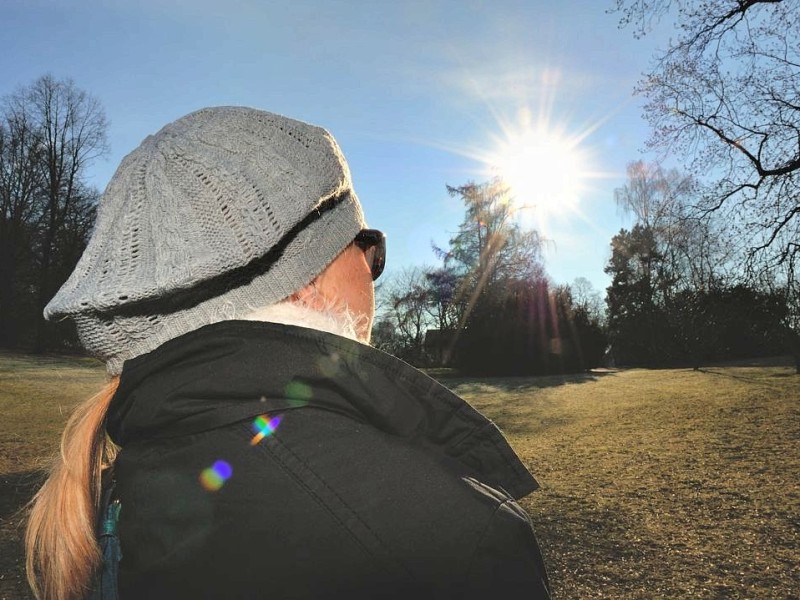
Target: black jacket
[{"x": 377, "y": 482}]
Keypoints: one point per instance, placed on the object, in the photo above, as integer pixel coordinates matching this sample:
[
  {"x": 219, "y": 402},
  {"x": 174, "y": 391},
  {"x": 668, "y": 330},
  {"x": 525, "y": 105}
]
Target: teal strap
[
  {"x": 110, "y": 519},
  {"x": 104, "y": 586}
]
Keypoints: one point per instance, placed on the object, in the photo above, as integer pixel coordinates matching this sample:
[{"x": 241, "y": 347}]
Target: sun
[{"x": 545, "y": 170}]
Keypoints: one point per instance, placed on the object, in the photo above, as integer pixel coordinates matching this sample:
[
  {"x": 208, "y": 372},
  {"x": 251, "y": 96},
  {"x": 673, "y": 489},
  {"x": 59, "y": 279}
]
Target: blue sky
[{"x": 417, "y": 93}]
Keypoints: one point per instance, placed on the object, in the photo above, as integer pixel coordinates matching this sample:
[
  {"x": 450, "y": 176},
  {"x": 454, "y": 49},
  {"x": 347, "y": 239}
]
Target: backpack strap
[{"x": 104, "y": 585}]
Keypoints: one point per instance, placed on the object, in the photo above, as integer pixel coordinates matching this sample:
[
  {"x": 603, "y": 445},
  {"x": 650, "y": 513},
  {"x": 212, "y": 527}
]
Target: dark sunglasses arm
[{"x": 373, "y": 238}]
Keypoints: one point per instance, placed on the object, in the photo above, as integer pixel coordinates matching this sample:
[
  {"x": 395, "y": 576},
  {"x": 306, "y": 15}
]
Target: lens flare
[
  {"x": 264, "y": 426},
  {"x": 298, "y": 393},
  {"x": 330, "y": 365},
  {"x": 215, "y": 476}
]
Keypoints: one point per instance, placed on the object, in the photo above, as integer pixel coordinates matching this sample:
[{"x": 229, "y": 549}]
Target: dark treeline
[
  {"x": 685, "y": 290},
  {"x": 680, "y": 292},
  {"x": 696, "y": 327},
  {"x": 531, "y": 329},
  {"x": 50, "y": 131},
  {"x": 708, "y": 270},
  {"x": 489, "y": 308}
]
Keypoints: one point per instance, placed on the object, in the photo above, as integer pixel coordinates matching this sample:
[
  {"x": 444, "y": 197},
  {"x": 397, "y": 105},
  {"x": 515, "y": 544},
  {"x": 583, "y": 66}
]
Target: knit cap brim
[{"x": 223, "y": 211}]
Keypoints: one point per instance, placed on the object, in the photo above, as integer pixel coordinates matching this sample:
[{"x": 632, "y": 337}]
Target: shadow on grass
[
  {"x": 511, "y": 424},
  {"x": 782, "y": 360},
  {"x": 15, "y": 361},
  {"x": 711, "y": 371},
  {"x": 762, "y": 378},
  {"x": 763, "y": 361},
  {"x": 578, "y": 535},
  {"x": 15, "y": 491},
  {"x": 517, "y": 383}
]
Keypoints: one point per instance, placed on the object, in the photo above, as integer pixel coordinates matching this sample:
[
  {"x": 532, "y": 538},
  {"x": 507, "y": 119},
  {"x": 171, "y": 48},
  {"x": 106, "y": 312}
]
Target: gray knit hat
[{"x": 223, "y": 211}]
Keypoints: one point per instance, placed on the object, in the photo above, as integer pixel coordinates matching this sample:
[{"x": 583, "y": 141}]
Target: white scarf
[{"x": 337, "y": 322}]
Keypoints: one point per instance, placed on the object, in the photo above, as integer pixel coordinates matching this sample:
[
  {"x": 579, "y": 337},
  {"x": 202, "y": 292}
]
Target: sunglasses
[{"x": 373, "y": 243}]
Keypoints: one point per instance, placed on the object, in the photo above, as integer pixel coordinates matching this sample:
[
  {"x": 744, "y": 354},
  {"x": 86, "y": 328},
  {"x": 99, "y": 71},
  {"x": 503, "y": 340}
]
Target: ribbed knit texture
[{"x": 222, "y": 211}]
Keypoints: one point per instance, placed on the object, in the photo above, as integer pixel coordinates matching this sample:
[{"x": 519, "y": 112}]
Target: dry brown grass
[
  {"x": 655, "y": 483},
  {"x": 660, "y": 483},
  {"x": 36, "y": 396}
]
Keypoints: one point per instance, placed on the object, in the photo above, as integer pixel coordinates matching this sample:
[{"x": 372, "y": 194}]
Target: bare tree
[
  {"x": 583, "y": 296},
  {"x": 692, "y": 250},
  {"x": 786, "y": 290},
  {"x": 19, "y": 207},
  {"x": 443, "y": 304},
  {"x": 404, "y": 314},
  {"x": 726, "y": 96},
  {"x": 51, "y": 132}
]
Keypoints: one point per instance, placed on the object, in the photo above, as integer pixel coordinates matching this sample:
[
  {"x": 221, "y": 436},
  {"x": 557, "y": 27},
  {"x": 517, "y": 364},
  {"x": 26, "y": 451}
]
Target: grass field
[
  {"x": 36, "y": 396},
  {"x": 655, "y": 483}
]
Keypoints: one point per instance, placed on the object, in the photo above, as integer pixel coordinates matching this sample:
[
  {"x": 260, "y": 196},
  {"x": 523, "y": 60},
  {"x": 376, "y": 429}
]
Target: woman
[{"x": 250, "y": 440}]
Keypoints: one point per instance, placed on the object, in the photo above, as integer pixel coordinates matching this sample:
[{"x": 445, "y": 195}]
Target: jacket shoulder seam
[
  {"x": 485, "y": 533},
  {"x": 363, "y": 544}
]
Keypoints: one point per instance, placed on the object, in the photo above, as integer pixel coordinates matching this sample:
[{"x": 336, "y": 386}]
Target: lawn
[
  {"x": 655, "y": 483},
  {"x": 660, "y": 483},
  {"x": 36, "y": 396}
]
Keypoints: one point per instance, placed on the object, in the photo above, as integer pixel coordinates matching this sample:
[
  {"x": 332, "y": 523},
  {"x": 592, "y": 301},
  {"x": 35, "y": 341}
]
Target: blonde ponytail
[{"x": 61, "y": 545}]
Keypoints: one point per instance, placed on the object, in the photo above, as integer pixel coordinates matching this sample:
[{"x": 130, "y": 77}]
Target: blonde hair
[{"x": 61, "y": 547}]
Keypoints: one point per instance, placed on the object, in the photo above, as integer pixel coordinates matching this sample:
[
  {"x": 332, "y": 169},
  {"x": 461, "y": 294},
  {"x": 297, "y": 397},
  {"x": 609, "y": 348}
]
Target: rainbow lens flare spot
[
  {"x": 330, "y": 365},
  {"x": 216, "y": 475},
  {"x": 264, "y": 426},
  {"x": 298, "y": 393}
]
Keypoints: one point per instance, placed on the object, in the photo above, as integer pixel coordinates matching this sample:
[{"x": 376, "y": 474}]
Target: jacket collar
[{"x": 235, "y": 370}]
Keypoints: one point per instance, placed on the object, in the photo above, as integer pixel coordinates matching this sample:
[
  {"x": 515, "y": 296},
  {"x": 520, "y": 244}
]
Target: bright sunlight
[
  {"x": 545, "y": 170},
  {"x": 542, "y": 154}
]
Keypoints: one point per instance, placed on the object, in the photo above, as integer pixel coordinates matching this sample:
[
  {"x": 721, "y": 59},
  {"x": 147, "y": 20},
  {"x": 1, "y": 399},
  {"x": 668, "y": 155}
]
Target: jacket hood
[{"x": 236, "y": 370}]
